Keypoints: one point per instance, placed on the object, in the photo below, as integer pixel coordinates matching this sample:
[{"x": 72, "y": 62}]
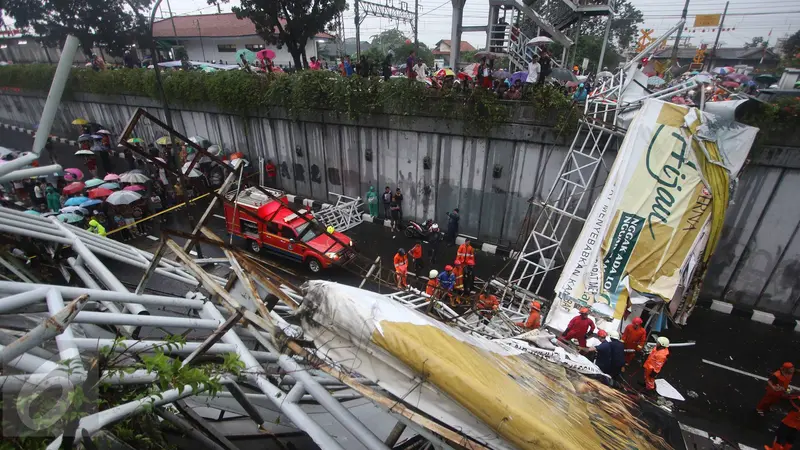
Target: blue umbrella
[
  {"x": 76, "y": 201},
  {"x": 111, "y": 186},
  {"x": 90, "y": 203},
  {"x": 33, "y": 212},
  {"x": 94, "y": 182},
  {"x": 84, "y": 137},
  {"x": 97, "y": 136}
]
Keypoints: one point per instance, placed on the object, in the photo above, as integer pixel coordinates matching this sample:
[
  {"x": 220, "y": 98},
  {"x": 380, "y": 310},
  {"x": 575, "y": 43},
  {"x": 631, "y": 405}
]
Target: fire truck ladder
[{"x": 342, "y": 216}]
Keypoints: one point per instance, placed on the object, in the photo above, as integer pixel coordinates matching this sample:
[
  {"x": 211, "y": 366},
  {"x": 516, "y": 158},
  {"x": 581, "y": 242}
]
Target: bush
[{"x": 241, "y": 92}]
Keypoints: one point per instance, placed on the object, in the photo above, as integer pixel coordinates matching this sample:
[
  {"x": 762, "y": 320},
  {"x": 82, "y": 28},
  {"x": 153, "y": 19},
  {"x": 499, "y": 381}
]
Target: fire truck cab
[{"x": 270, "y": 225}]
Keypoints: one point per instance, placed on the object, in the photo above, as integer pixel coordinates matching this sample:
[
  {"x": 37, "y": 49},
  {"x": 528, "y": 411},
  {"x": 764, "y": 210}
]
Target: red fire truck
[{"x": 283, "y": 232}]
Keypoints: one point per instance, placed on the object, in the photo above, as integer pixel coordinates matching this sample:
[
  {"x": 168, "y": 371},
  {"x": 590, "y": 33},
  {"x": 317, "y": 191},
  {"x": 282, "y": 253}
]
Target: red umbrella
[
  {"x": 100, "y": 192},
  {"x": 464, "y": 76},
  {"x": 730, "y": 84},
  {"x": 73, "y": 188},
  {"x": 265, "y": 54}
]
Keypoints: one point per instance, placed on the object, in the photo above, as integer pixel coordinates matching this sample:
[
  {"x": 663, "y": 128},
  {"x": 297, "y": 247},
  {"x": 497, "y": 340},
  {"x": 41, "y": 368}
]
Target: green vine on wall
[{"x": 243, "y": 93}]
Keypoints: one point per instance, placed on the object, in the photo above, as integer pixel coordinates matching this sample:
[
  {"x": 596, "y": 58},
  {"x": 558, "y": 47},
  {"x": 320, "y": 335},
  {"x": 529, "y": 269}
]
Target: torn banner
[{"x": 667, "y": 190}]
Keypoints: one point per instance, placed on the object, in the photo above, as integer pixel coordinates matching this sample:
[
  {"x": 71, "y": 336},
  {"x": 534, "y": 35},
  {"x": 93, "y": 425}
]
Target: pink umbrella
[
  {"x": 73, "y": 188},
  {"x": 111, "y": 177},
  {"x": 265, "y": 54},
  {"x": 134, "y": 187},
  {"x": 73, "y": 174}
]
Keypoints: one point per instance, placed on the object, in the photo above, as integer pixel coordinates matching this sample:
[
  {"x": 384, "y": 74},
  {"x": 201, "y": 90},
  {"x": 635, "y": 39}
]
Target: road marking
[
  {"x": 693, "y": 430},
  {"x": 152, "y": 238},
  {"x": 219, "y": 217},
  {"x": 741, "y": 372}
]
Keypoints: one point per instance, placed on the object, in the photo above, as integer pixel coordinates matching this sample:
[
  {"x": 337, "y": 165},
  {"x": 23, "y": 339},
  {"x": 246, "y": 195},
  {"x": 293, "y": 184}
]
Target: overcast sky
[{"x": 749, "y": 17}]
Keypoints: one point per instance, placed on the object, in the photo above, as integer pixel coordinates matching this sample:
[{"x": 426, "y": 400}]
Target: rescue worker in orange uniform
[
  {"x": 458, "y": 271},
  {"x": 534, "y": 320},
  {"x": 634, "y": 338},
  {"x": 401, "y": 268},
  {"x": 487, "y": 305},
  {"x": 777, "y": 387},
  {"x": 786, "y": 434},
  {"x": 466, "y": 256},
  {"x": 416, "y": 254},
  {"x": 433, "y": 283},
  {"x": 579, "y": 327},
  {"x": 655, "y": 362}
]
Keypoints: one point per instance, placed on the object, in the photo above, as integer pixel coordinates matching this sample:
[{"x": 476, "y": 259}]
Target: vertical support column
[
  {"x": 358, "y": 29},
  {"x": 609, "y": 19},
  {"x": 416, "y": 26},
  {"x": 576, "y": 42},
  {"x": 493, "y": 12},
  {"x": 455, "y": 32}
]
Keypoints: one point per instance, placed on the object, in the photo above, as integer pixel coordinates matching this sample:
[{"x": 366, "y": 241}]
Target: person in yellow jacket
[{"x": 96, "y": 228}]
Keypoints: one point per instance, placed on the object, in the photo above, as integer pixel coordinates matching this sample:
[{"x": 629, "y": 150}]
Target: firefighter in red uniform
[
  {"x": 579, "y": 327},
  {"x": 534, "y": 320},
  {"x": 634, "y": 338},
  {"x": 466, "y": 256},
  {"x": 401, "y": 268},
  {"x": 777, "y": 387},
  {"x": 433, "y": 284}
]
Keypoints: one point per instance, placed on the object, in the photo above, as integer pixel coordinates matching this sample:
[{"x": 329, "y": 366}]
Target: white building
[{"x": 217, "y": 37}]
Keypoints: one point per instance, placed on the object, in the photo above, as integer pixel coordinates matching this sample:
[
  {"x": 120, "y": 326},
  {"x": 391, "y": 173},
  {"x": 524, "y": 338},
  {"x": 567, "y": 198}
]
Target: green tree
[
  {"x": 757, "y": 41},
  {"x": 114, "y": 24},
  {"x": 389, "y": 40},
  {"x": 400, "y": 45},
  {"x": 792, "y": 45},
  {"x": 289, "y": 22},
  {"x": 590, "y": 47}
]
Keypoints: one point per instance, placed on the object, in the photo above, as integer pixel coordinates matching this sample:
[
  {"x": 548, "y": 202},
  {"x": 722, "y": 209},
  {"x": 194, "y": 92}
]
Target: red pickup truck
[{"x": 283, "y": 232}]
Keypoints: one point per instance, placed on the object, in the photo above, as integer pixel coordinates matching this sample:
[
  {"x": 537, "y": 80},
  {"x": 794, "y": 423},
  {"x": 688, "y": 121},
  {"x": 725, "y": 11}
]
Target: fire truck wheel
[
  {"x": 313, "y": 265},
  {"x": 255, "y": 247}
]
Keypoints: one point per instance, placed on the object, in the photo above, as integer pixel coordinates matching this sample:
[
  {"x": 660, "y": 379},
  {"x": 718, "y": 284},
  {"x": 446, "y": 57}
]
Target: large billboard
[{"x": 655, "y": 209}]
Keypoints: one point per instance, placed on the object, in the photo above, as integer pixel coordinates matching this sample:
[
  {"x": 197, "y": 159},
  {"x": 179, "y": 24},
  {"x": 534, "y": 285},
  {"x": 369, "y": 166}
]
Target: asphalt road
[{"x": 719, "y": 401}]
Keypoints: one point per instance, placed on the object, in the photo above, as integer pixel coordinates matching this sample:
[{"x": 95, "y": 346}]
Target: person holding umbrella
[
  {"x": 53, "y": 199},
  {"x": 534, "y": 69}
]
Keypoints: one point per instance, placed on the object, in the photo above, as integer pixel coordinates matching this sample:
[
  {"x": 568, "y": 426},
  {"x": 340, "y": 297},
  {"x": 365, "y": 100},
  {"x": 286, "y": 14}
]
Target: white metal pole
[
  {"x": 99, "y": 318},
  {"x": 134, "y": 346},
  {"x": 31, "y": 363},
  {"x": 256, "y": 374},
  {"x": 16, "y": 301},
  {"x": 98, "y": 268},
  {"x": 66, "y": 347},
  {"x": 50, "y": 107},
  {"x": 14, "y": 287}
]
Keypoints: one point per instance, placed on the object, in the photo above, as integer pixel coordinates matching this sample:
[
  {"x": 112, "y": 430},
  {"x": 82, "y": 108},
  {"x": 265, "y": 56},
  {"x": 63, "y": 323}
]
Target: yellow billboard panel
[{"x": 706, "y": 20}]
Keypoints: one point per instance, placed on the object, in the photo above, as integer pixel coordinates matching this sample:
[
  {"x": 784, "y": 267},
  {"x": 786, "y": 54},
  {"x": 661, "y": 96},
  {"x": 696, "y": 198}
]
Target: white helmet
[
  {"x": 613, "y": 334},
  {"x": 433, "y": 274},
  {"x": 662, "y": 341}
]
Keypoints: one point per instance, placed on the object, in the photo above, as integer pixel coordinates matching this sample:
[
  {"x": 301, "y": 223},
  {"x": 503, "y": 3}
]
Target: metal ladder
[{"x": 342, "y": 216}]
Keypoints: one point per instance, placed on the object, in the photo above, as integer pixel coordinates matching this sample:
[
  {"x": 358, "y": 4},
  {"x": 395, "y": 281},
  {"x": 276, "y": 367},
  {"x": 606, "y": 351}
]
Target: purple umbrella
[
  {"x": 521, "y": 76},
  {"x": 738, "y": 77}
]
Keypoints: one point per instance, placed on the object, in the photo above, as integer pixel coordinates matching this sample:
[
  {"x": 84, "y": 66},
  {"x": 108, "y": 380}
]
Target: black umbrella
[{"x": 561, "y": 74}]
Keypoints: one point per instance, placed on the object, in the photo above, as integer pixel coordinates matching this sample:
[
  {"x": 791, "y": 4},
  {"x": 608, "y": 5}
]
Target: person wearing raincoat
[
  {"x": 96, "y": 228},
  {"x": 372, "y": 201},
  {"x": 53, "y": 199}
]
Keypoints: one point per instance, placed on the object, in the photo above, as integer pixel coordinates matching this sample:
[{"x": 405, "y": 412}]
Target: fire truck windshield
[{"x": 310, "y": 234}]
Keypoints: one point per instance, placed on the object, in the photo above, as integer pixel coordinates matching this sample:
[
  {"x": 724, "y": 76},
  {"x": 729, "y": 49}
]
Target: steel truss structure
[
  {"x": 285, "y": 373},
  {"x": 558, "y": 219},
  {"x": 343, "y": 215}
]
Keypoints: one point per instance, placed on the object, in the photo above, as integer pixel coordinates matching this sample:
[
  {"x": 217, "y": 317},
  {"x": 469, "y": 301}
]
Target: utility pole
[
  {"x": 674, "y": 58},
  {"x": 172, "y": 20},
  {"x": 609, "y": 19},
  {"x": 416, "y": 27},
  {"x": 199, "y": 34},
  {"x": 716, "y": 41},
  {"x": 358, "y": 31}
]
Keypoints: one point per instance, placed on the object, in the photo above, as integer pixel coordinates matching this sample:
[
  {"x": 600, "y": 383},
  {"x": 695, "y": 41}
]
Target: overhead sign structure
[
  {"x": 706, "y": 20},
  {"x": 649, "y": 228}
]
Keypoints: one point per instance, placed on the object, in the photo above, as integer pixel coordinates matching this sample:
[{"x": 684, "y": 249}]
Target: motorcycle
[{"x": 421, "y": 230}]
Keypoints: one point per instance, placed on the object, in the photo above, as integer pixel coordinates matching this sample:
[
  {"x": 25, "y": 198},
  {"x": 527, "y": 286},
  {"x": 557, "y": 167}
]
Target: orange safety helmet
[
  {"x": 583, "y": 311},
  {"x": 787, "y": 365},
  {"x": 448, "y": 268},
  {"x": 602, "y": 334},
  {"x": 637, "y": 321},
  {"x": 536, "y": 305}
]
